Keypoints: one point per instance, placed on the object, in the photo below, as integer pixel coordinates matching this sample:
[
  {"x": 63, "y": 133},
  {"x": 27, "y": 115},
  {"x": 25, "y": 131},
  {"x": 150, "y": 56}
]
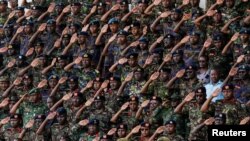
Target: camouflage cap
[
  {"x": 170, "y": 122},
  {"x": 4, "y": 78},
  {"x": 61, "y": 111},
  {"x": 16, "y": 116},
  {"x": 156, "y": 98},
  {"x": 122, "y": 126},
  {"x": 34, "y": 91}
]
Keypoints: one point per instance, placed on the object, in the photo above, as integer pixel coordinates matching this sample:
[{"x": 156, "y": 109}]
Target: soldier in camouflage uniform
[
  {"x": 12, "y": 131},
  {"x": 101, "y": 112},
  {"x": 4, "y": 85},
  {"x": 170, "y": 132},
  {"x": 145, "y": 133},
  {"x": 4, "y": 11},
  {"x": 92, "y": 132},
  {"x": 61, "y": 128}
]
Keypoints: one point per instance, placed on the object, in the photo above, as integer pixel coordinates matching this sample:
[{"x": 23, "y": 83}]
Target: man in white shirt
[{"x": 214, "y": 84}]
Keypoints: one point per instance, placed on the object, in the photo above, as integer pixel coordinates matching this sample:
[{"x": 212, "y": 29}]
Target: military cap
[
  {"x": 76, "y": 25},
  {"x": 84, "y": 33},
  {"x": 178, "y": 52},
  {"x": 29, "y": 22},
  {"x": 4, "y": 78},
  {"x": 122, "y": 32},
  {"x": 143, "y": 40},
  {"x": 94, "y": 122},
  {"x": 113, "y": 21},
  {"x": 170, "y": 122},
  {"x": 246, "y": 52},
  {"x": 53, "y": 76},
  {"x": 21, "y": 57},
  {"x": 21, "y": 8},
  {"x": 37, "y": 7},
  {"x": 176, "y": 10},
  {"x": 245, "y": 31},
  {"x": 86, "y": 55},
  {"x": 220, "y": 115},
  {"x": 123, "y": 2},
  {"x": 168, "y": 70},
  {"x": 9, "y": 26},
  {"x": 61, "y": 111},
  {"x": 135, "y": 24},
  {"x": 194, "y": 33},
  {"x": 60, "y": 4},
  {"x": 94, "y": 22},
  {"x": 66, "y": 36},
  {"x": 143, "y": 1},
  {"x": 102, "y": 98},
  {"x": 27, "y": 75},
  {"x": 139, "y": 70},
  {"x": 34, "y": 91},
  {"x": 101, "y": 4},
  {"x": 228, "y": 87},
  {"x": 16, "y": 116},
  {"x": 98, "y": 79},
  {"x": 132, "y": 55},
  {"x": 62, "y": 57},
  {"x": 39, "y": 43},
  {"x": 42, "y": 117},
  {"x": 243, "y": 67},
  {"x": 145, "y": 124},
  {"x": 3, "y": 2},
  {"x": 169, "y": 36},
  {"x": 73, "y": 79},
  {"x": 51, "y": 21},
  {"x": 158, "y": 51},
  {"x": 163, "y": 139},
  {"x": 196, "y": 12},
  {"x": 122, "y": 126},
  {"x": 75, "y": 4},
  {"x": 78, "y": 94},
  {"x": 134, "y": 98},
  {"x": 115, "y": 79},
  {"x": 106, "y": 137},
  {"x": 156, "y": 98},
  {"x": 175, "y": 97},
  {"x": 191, "y": 67},
  {"x": 217, "y": 37},
  {"x": 200, "y": 90}
]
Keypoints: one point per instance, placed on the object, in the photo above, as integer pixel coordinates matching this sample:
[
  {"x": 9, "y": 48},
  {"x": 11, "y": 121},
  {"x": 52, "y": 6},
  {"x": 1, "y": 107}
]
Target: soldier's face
[
  {"x": 133, "y": 105},
  {"x": 124, "y": 7},
  {"x": 27, "y": 29},
  {"x": 229, "y": 3},
  {"x": 7, "y": 32},
  {"x": 143, "y": 45},
  {"x": 190, "y": 74},
  {"x": 97, "y": 85},
  {"x": 174, "y": 103},
  {"x": 113, "y": 85},
  {"x": 92, "y": 129},
  {"x": 113, "y": 27},
  {"x": 131, "y": 62},
  {"x": 244, "y": 38},
  {"x": 194, "y": 39},
  {"x": 163, "y": 76},
  {"x": 174, "y": 16},
  {"x": 242, "y": 73},
  {"x": 153, "y": 104},
  {"x": 218, "y": 44},
  {"x": 138, "y": 76},
  {"x": 61, "y": 119},
  {"x": 42, "y": 61},
  {"x": 33, "y": 98},
  {"x": 72, "y": 30},
  {"x": 135, "y": 30},
  {"x": 65, "y": 41},
  {"x": 82, "y": 39},
  {"x": 93, "y": 28},
  {"x": 202, "y": 62},
  {"x": 100, "y": 10},
  {"x": 86, "y": 62},
  {"x": 200, "y": 97},
  {"x": 19, "y": 13},
  {"x": 121, "y": 39},
  {"x": 27, "y": 81},
  {"x": 176, "y": 58},
  {"x": 13, "y": 3},
  {"x": 228, "y": 94},
  {"x": 35, "y": 13},
  {"x": 75, "y": 9},
  {"x": 76, "y": 101},
  {"x": 166, "y": 3},
  {"x": 121, "y": 133},
  {"x": 58, "y": 9},
  {"x": 214, "y": 76},
  {"x": 194, "y": 2},
  {"x": 142, "y": 7},
  {"x": 61, "y": 63},
  {"x": 38, "y": 122},
  {"x": 3, "y": 7},
  {"x": 50, "y": 28},
  {"x": 38, "y": 49},
  {"x": 98, "y": 104},
  {"x": 52, "y": 83},
  {"x": 217, "y": 17},
  {"x": 145, "y": 131},
  {"x": 156, "y": 58},
  {"x": 50, "y": 102},
  {"x": 170, "y": 128},
  {"x": 14, "y": 123},
  {"x": 4, "y": 85},
  {"x": 218, "y": 121},
  {"x": 72, "y": 85}
]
